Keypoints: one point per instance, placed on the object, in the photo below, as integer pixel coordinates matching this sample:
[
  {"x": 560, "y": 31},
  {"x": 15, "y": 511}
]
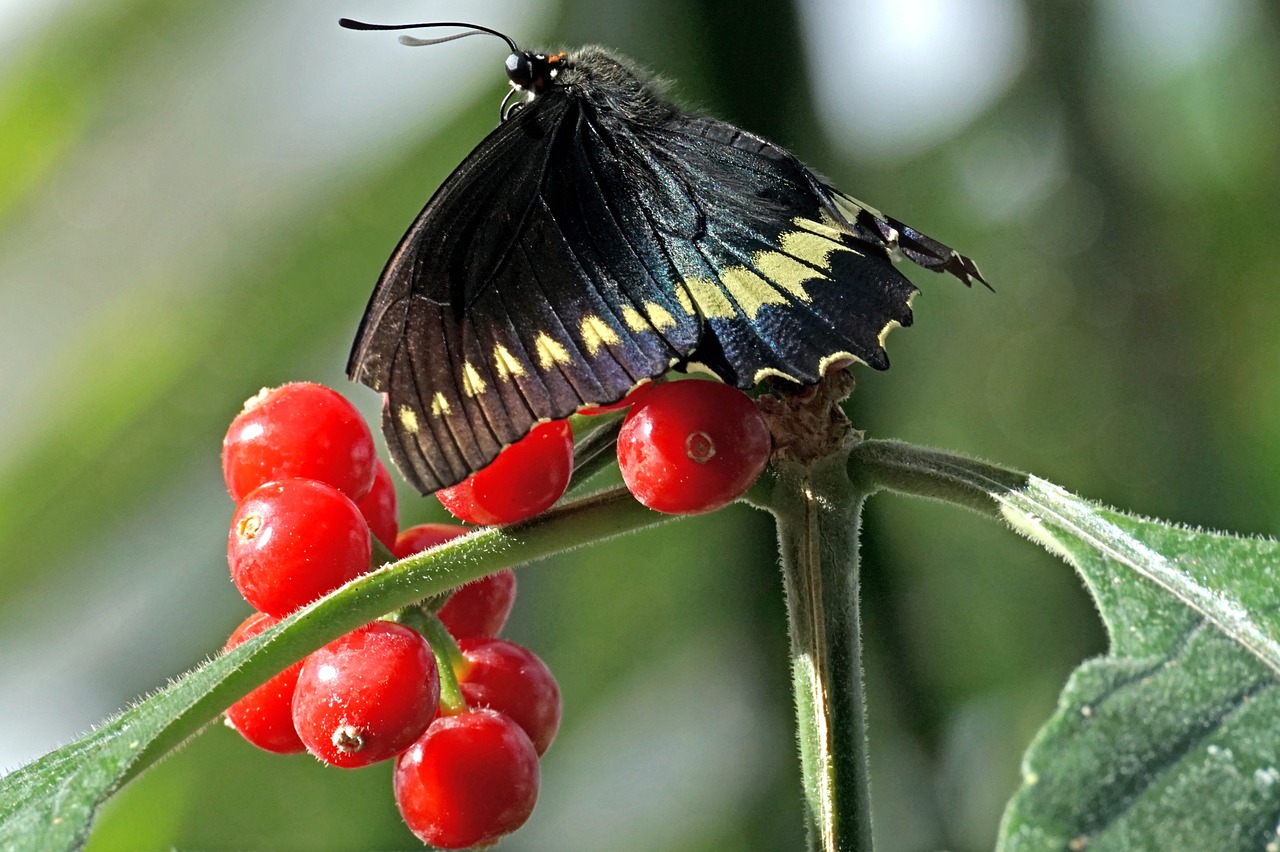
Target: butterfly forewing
[{"x": 520, "y": 294}]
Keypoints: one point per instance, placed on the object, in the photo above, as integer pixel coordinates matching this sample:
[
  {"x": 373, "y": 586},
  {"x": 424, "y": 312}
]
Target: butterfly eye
[
  {"x": 534, "y": 72},
  {"x": 520, "y": 70}
]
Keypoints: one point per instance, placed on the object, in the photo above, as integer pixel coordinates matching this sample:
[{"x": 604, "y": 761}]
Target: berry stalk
[{"x": 449, "y": 660}]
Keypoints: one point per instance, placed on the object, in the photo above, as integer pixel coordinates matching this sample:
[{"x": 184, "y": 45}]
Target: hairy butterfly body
[{"x": 601, "y": 236}]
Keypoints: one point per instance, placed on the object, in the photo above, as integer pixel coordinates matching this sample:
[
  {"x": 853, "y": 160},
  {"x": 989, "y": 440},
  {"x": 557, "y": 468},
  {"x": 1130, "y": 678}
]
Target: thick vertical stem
[{"x": 818, "y": 511}]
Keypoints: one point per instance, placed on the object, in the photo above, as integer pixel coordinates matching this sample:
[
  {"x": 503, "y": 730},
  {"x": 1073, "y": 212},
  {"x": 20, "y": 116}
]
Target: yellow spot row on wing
[{"x": 774, "y": 278}]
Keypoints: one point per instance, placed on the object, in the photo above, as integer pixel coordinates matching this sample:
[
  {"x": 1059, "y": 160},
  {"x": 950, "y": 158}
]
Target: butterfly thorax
[{"x": 603, "y": 79}]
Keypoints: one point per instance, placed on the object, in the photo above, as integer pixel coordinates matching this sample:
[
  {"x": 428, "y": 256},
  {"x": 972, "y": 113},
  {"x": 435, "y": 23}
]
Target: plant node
[{"x": 807, "y": 422}]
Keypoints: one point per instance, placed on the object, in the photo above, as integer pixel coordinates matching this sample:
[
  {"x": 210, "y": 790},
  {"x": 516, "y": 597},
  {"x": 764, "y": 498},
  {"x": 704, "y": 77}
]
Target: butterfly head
[
  {"x": 530, "y": 73},
  {"x": 535, "y": 72}
]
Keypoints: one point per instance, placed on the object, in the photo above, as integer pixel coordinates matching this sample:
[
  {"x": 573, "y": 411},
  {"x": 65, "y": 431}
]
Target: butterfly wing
[
  {"x": 902, "y": 240},
  {"x": 522, "y": 292},
  {"x": 579, "y": 251}
]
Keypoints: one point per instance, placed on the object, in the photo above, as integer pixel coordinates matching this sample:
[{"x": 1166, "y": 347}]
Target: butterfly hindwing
[{"x": 784, "y": 285}]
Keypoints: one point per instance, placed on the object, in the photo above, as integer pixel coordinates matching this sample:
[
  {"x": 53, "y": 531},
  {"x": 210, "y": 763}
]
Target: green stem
[
  {"x": 817, "y": 510},
  {"x": 930, "y": 473},
  {"x": 450, "y": 663}
]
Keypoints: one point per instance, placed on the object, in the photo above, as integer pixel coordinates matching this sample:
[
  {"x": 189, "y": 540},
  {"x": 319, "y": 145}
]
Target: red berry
[
  {"x": 481, "y": 607},
  {"x": 471, "y": 779},
  {"x": 366, "y": 696},
  {"x": 692, "y": 446},
  {"x": 379, "y": 506},
  {"x": 264, "y": 717},
  {"x": 294, "y": 541},
  {"x": 422, "y": 536},
  {"x": 300, "y": 429},
  {"x": 524, "y": 480},
  {"x": 511, "y": 679}
]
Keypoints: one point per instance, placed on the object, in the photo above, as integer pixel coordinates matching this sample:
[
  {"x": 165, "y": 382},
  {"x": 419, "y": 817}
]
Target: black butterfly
[{"x": 601, "y": 236}]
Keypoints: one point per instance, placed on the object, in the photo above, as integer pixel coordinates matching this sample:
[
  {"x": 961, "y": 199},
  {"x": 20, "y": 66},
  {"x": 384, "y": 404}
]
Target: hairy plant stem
[
  {"x": 934, "y": 474},
  {"x": 816, "y": 491},
  {"x": 818, "y": 508}
]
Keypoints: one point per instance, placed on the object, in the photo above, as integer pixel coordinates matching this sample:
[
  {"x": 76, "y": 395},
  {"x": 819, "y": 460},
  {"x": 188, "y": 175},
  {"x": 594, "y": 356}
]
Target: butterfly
[{"x": 602, "y": 236}]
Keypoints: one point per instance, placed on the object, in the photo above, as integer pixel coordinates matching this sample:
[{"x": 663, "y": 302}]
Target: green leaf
[
  {"x": 1172, "y": 740},
  {"x": 48, "y": 804}
]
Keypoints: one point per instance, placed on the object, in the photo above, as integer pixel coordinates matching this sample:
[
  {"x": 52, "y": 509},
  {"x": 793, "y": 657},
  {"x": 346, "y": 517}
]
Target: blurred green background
[{"x": 196, "y": 198}]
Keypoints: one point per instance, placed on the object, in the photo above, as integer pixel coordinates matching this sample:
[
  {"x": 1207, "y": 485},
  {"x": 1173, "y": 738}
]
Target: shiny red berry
[
  {"x": 303, "y": 430},
  {"x": 366, "y": 696},
  {"x": 511, "y": 679},
  {"x": 479, "y": 608},
  {"x": 264, "y": 717},
  {"x": 692, "y": 446},
  {"x": 294, "y": 541},
  {"x": 379, "y": 507},
  {"x": 523, "y": 481},
  {"x": 471, "y": 779}
]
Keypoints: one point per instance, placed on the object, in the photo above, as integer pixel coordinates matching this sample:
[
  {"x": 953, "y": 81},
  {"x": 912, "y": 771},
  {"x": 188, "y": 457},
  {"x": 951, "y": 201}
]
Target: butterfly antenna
[
  {"x": 410, "y": 41},
  {"x": 473, "y": 29}
]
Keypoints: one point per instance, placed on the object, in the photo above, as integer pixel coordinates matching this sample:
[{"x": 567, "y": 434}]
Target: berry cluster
[{"x": 465, "y": 716}]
